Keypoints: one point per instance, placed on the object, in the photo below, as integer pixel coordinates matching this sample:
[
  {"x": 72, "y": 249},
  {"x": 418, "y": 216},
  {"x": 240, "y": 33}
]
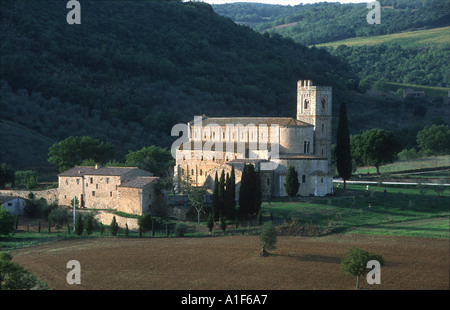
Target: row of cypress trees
[{"x": 224, "y": 194}]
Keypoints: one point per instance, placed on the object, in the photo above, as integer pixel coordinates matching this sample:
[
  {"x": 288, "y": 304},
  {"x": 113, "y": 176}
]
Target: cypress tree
[
  {"x": 258, "y": 193},
  {"x": 210, "y": 222},
  {"x": 89, "y": 225},
  {"x": 292, "y": 184},
  {"x": 114, "y": 226},
  {"x": 230, "y": 195},
  {"x": 79, "y": 225},
  {"x": 249, "y": 193},
  {"x": 216, "y": 197},
  {"x": 244, "y": 193},
  {"x": 221, "y": 194},
  {"x": 343, "y": 152}
]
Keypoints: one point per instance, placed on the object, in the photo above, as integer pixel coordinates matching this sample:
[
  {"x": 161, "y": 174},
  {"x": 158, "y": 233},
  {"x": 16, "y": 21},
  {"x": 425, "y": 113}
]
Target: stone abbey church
[{"x": 271, "y": 144}]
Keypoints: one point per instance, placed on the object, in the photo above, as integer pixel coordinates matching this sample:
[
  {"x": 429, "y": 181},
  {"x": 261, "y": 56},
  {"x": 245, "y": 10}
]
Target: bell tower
[{"x": 314, "y": 107}]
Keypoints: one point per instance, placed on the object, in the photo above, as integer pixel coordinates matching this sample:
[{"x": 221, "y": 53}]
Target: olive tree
[
  {"x": 268, "y": 238},
  {"x": 355, "y": 262}
]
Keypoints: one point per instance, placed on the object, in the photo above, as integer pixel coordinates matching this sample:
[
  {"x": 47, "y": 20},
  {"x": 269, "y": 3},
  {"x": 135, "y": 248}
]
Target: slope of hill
[
  {"x": 327, "y": 22},
  {"x": 133, "y": 69},
  {"x": 435, "y": 37},
  {"x": 390, "y": 51}
]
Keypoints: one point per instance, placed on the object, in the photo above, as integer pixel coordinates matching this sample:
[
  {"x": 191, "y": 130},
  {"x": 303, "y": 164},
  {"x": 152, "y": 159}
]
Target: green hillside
[
  {"x": 331, "y": 21},
  {"x": 133, "y": 69},
  {"x": 436, "y": 37},
  {"x": 410, "y": 46}
]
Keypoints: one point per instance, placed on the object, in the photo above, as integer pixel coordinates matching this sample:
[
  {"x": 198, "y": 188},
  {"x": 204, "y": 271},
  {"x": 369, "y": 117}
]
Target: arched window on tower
[
  {"x": 323, "y": 101},
  {"x": 305, "y": 105}
]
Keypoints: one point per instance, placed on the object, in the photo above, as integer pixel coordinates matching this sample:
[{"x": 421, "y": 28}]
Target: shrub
[
  {"x": 180, "y": 229},
  {"x": 145, "y": 221},
  {"x": 13, "y": 276},
  {"x": 58, "y": 216},
  {"x": 6, "y": 221}
]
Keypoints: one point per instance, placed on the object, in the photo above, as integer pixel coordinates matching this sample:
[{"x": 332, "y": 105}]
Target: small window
[
  {"x": 93, "y": 193},
  {"x": 67, "y": 182},
  {"x": 91, "y": 180},
  {"x": 192, "y": 171},
  {"x": 303, "y": 178},
  {"x": 96, "y": 186},
  {"x": 107, "y": 180},
  {"x": 201, "y": 172},
  {"x": 9, "y": 204},
  {"x": 323, "y": 101},
  {"x": 321, "y": 180},
  {"x": 78, "y": 181},
  {"x": 305, "y": 105},
  {"x": 110, "y": 194},
  {"x": 268, "y": 181},
  {"x": 149, "y": 196}
]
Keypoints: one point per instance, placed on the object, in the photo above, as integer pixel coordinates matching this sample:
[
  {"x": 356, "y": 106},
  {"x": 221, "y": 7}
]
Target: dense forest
[
  {"x": 427, "y": 66},
  {"x": 317, "y": 23},
  {"x": 133, "y": 69},
  {"x": 313, "y": 24}
]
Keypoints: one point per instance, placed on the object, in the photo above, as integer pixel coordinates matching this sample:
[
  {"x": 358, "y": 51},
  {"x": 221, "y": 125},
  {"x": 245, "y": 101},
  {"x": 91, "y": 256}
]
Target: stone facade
[
  {"x": 273, "y": 144},
  {"x": 126, "y": 189}
]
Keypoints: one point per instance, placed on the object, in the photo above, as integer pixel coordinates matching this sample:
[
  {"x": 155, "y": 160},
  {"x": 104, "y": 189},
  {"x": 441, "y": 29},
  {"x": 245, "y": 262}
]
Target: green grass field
[
  {"x": 433, "y": 162},
  {"x": 410, "y": 39},
  {"x": 430, "y": 91},
  {"x": 402, "y": 210}
]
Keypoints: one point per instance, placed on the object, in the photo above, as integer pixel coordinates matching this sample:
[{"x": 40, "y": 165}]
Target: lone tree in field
[
  {"x": 268, "y": 238},
  {"x": 343, "y": 151},
  {"x": 375, "y": 147},
  {"x": 292, "y": 184},
  {"x": 355, "y": 262}
]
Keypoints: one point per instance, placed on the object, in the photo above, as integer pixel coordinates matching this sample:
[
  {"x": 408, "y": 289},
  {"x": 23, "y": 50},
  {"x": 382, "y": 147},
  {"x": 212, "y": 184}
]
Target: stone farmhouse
[
  {"x": 125, "y": 189},
  {"x": 13, "y": 204},
  {"x": 271, "y": 144}
]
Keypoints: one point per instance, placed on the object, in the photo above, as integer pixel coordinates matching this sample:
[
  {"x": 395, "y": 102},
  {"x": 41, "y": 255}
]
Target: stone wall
[
  {"x": 106, "y": 218},
  {"x": 51, "y": 195}
]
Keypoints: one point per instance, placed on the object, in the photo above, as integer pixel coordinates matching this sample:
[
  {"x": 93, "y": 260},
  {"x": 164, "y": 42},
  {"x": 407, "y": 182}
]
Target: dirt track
[{"x": 227, "y": 263}]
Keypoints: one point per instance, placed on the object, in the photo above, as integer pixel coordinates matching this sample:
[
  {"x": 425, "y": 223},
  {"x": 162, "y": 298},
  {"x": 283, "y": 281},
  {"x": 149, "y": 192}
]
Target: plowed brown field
[{"x": 228, "y": 263}]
